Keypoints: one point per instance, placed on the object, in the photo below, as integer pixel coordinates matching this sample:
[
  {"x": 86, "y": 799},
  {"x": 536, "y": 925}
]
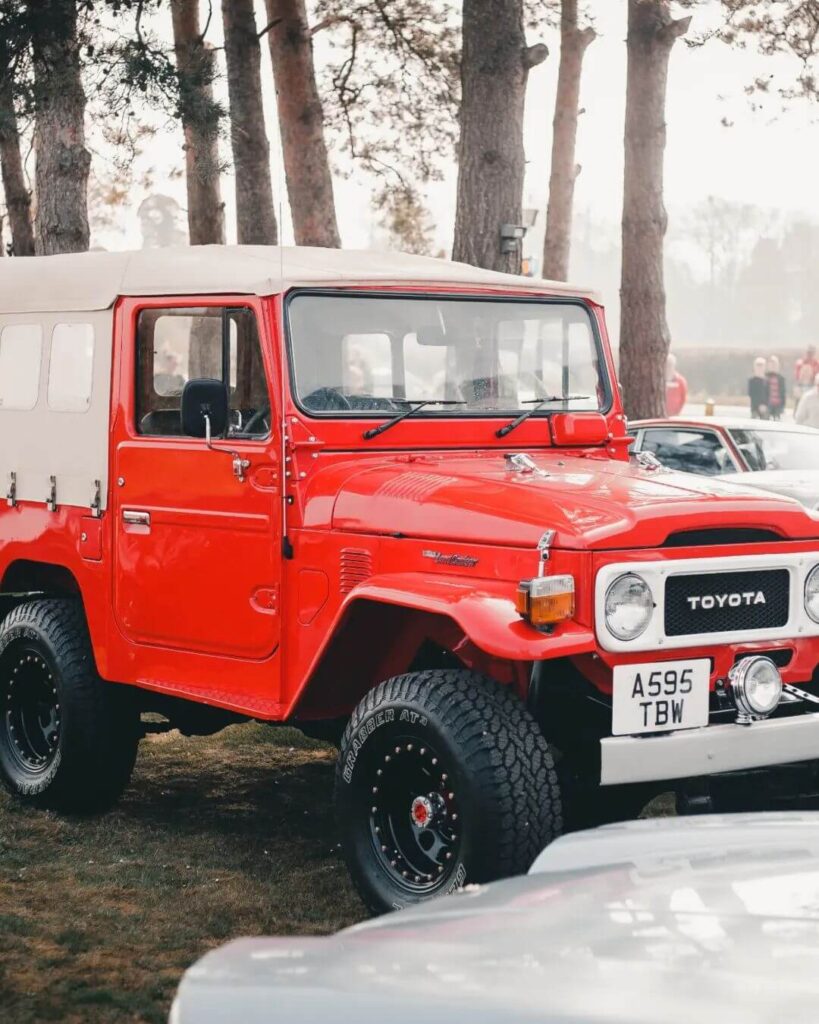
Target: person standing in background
[
  {"x": 676, "y": 387},
  {"x": 776, "y": 391},
  {"x": 807, "y": 412},
  {"x": 758, "y": 390},
  {"x": 804, "y": 372},
  {"x": 804, "y": 382}
]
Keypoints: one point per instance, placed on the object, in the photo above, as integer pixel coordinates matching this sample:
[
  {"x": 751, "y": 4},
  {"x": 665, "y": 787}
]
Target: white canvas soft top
[{"x": 95, "y": 280}]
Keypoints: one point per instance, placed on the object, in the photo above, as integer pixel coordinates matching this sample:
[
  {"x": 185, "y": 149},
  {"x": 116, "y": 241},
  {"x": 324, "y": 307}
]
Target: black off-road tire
[
  {"x": 463, "y": 753},
  {"x": 72, "y": 745}
]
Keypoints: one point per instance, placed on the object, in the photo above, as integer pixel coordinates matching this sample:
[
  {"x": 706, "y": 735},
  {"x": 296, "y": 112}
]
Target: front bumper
[{"x": 711, "y": 750}]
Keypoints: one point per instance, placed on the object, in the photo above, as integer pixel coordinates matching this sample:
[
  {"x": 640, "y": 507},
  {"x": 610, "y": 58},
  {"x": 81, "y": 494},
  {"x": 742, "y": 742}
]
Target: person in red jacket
[{"x": 676, "y": 387}]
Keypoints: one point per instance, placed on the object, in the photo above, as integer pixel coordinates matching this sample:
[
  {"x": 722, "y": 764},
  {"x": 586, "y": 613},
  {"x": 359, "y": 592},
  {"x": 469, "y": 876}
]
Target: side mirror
[
  {"x": 204, "y": 408},
  {"x": 579, "y": 428}
]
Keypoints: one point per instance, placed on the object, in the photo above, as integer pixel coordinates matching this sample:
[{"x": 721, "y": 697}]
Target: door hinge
[
  {"x": 51, "y": 500},
  {"x": 11, "y": 494},
  {"x": 96, "y": 501}
]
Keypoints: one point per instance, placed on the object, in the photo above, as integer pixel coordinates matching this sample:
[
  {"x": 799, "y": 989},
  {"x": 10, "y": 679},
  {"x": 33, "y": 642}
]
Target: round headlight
[
  {"x": 629, "y": 606},
  {"x": 756, "y": 685},
  {"x": 812, "y": 593}
]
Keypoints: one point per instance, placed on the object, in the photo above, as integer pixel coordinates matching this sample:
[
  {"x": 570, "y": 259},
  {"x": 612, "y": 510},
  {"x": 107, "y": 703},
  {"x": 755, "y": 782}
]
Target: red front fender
[{"x": 482, "y": 610}]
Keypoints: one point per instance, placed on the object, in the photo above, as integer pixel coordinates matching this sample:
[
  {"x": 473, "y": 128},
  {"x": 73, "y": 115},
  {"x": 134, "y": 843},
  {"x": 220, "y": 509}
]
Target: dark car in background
[{"x": 774, "y": 456}]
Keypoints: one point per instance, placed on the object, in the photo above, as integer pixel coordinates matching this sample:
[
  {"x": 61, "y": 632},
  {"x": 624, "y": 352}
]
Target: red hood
[{"x": 592, "y": 503}]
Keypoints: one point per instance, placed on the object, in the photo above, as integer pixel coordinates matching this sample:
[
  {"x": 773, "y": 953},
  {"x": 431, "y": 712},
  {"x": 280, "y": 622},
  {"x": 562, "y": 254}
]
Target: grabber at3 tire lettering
[
  {"x": 443, "y": 778},
  {"x": 68, "y": 740}
]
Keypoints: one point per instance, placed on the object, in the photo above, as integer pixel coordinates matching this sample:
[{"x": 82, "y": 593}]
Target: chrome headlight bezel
[
  {"x": 629, "y": 579},
  {"x": 812, "y": 583}
]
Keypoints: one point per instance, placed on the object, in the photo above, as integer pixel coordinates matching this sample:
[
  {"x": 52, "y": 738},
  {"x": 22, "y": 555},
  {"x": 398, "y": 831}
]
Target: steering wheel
[
  {"x": 258, "y": 417},
  {"x": 326, "y": 399}
]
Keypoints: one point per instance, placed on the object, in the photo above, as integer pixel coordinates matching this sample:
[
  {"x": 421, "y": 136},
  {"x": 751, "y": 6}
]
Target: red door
[{"x": 198, "y": 543}]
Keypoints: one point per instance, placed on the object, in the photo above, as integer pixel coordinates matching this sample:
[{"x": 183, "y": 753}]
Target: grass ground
[{"x": 216, "y": 837}]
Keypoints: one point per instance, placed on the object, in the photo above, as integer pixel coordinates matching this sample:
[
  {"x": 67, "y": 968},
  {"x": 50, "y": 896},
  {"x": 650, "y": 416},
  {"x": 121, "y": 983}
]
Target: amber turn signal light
[{"x": 545, "y": 600}]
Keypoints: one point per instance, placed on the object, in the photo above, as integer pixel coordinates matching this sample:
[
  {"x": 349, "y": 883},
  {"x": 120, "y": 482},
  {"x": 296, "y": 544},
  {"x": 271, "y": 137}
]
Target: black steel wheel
[
  {"x": 31, "y": 709},
  {"x": 68, "y": 739},
  {"x": 414, "y": 814},
  {"x": 443, "y": 778}
]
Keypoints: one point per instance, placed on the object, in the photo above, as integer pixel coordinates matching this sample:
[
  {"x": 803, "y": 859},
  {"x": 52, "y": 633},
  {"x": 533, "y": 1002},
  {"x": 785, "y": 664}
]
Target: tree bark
[
  {"x": 200, "y": 122},
  {"x": 644, "y": 335},
  {"x": 62, "y": 160},
  {"x": 18, "y": 197},
  {"x": 573, "y": 44},
  {"x": 495, "y": 65},
  {"x": 301, "y": 123},
  {"x": 255, "y": 213}
]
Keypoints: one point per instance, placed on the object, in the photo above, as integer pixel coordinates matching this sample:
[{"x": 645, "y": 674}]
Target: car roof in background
[
  {"x": 724, "y": 423},
  {"x": 672, "y": 922}
]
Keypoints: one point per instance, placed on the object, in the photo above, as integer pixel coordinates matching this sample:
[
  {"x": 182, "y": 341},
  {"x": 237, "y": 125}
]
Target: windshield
[
  {"x": 372, "y": 354},
  {"x": 777, "y": 449}
]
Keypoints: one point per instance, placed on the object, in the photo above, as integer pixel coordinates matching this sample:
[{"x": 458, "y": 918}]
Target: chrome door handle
[{"x": 134, "y": 518}]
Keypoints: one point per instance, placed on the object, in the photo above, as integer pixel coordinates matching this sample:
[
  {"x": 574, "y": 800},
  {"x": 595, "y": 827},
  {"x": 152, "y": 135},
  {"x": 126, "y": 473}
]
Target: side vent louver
[{"x": 356, "y": 566}]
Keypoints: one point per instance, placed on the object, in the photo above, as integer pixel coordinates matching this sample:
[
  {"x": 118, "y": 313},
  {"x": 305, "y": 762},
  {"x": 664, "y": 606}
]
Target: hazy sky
[{"x": 766, "y": 157}]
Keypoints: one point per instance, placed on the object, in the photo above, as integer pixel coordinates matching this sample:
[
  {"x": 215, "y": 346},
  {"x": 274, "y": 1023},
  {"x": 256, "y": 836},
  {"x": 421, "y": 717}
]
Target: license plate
[{"x": 658, "y": 696}]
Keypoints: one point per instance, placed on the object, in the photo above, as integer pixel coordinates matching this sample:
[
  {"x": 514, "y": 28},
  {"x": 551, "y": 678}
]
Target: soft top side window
[{"x": 179, "y": 344}]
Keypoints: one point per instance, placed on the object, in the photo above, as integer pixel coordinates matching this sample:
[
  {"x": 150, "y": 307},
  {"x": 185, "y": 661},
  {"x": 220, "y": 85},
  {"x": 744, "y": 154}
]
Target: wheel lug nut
[
  {"x": 380, "y": 771},
  {"x": 374, "y": 810},
  {"x": 409, "y": 746},
  {"x": 448, "y": 855},
  {"x": 454, "y": 817},
  {"x": 423, "y": 750},
  {"x": 450, "y": 796},
  {"x": 398, "y": 750},
  {"x": 386, "y": 757},
  {"x": 375, "y": 789},
  {"x": 444, "y": 776},
  {"x": 435, "y": 760}
]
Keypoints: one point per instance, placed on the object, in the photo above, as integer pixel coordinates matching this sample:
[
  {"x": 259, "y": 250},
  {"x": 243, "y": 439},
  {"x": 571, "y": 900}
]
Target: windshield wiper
[
  {"x": 415, "y": 404},
  {"x": 536, "y": 407}
]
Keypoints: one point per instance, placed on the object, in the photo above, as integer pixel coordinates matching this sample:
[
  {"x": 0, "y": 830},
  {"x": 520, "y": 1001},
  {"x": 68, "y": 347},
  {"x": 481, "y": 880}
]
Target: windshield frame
[{"x": 427, "y": 294}]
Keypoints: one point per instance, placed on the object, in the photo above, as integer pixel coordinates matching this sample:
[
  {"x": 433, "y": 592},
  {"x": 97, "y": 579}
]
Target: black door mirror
[{"x": 204, "y": 408}]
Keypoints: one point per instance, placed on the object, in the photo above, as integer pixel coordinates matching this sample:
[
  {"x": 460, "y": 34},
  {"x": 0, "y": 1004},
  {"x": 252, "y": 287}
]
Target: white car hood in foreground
[{"x": 663, "y": 922}]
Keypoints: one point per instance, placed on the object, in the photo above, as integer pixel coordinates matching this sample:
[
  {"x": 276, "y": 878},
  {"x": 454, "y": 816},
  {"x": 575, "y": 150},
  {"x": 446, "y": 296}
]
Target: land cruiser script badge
[
  {"x": 464, "y": 561},
  {"x": 709, "y": 601}
]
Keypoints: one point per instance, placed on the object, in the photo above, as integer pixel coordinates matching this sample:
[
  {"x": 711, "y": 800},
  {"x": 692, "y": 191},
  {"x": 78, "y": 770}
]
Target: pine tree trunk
[
  {"x": 301, "y": 123},
  {"x": 573, "y": 45},
  {"x": 18, "y": 198},
  {"x": 255, "y": 214},
  {"x": 200, "y": 122},
  {"x": 495, "y": 65},
  {"x": 644, "y": 336},
  {"x": 63, "y": 162}
]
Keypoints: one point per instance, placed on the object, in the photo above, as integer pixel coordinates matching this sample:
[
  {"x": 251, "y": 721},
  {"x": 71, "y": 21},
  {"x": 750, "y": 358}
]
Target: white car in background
[
  {"x": 713, "y": 919},
  {"x": 771, "y": 455}
]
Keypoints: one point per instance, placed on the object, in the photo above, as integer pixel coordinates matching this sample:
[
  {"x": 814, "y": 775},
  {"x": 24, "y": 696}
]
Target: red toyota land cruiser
[{"x": 389, "y": 500}]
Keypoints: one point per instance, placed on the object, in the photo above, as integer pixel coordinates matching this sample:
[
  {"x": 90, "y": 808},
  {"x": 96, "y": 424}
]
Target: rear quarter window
[
  {"x": 71, "y": 368},
  {"x": 21, "y": 353}
]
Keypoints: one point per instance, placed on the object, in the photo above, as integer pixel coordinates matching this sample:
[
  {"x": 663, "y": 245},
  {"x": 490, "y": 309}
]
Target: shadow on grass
[{"x": 216, "y": 837}]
